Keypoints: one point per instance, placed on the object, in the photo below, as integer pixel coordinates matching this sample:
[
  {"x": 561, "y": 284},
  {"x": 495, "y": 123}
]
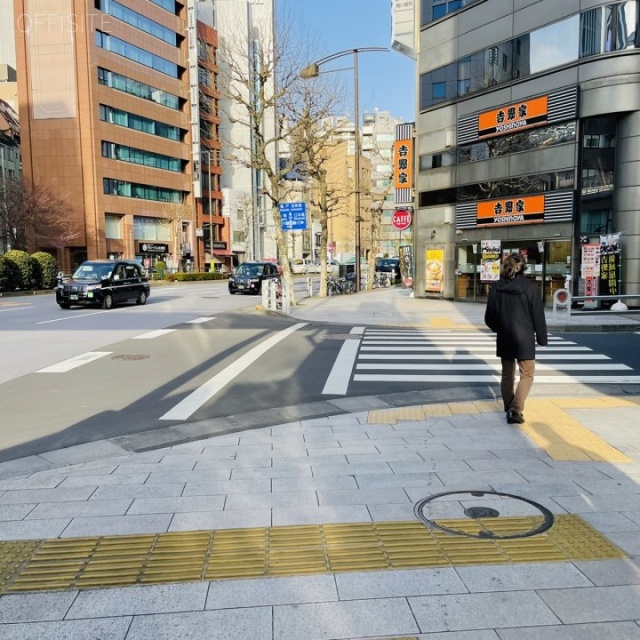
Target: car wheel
[
  {"x": 107, "y": 301},
  {"x": 65, "y": 305},
  {"x": 142, "y": 298},
  {"x": 232, "y": 292}
]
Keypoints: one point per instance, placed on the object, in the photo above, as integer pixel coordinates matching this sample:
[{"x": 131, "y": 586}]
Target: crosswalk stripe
[
  {"x": 416, "y": 341},
  {"x": 461, "y": 346},
  {"x": 559, "y": 379},
  {"x": 338, "y": 381},
  {"x": 489, "y": 367},
  {"x": 153, "y": 334},
  {"x": 200, "y": 320},
  {"x": 468, "y": 356}
]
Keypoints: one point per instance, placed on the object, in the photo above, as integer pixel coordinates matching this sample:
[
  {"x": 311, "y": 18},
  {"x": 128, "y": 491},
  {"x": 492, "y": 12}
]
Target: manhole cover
[
  {"x": 131, "y": 356},
  {"x": 343, "y": 336},
  {"x": 441, "y": 508}
]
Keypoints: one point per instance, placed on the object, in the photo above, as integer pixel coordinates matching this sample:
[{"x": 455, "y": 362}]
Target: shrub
[
  {"x": 197, "y": 276},
  {"x": 48, "y": 267},
  {"x": 9, "y": 274},
  {"x": 30, "y": 271}
]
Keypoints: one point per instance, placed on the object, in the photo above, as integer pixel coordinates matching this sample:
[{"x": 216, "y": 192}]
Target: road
[{"x": 195, "y": 353}]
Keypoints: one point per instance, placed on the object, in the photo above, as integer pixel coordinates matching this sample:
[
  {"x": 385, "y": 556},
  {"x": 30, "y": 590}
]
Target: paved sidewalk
[{"x": 347, "y": 482}]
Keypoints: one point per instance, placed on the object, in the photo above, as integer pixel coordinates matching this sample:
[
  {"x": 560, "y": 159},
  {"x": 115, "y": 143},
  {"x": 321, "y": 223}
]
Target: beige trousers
[{"x": 515, "y": 399}]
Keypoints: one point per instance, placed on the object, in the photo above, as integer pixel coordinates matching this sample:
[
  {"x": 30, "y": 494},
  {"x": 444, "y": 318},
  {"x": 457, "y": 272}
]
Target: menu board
[
  {"x": 490, "y": 260},
  {"x": 434, "y": 270}
]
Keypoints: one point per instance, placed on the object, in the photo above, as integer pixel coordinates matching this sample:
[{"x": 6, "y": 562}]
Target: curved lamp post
[{"x": 313, "y": 71}]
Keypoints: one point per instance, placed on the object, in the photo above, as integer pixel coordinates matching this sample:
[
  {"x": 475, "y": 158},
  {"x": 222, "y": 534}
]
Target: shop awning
[{"x": 223, "y": 252}]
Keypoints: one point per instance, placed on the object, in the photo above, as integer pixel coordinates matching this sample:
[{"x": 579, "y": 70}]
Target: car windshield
[
  {"x": 93, "y": 271},
  {"x": 387, "y": 262},
  {"x": 250, "y": 270}
]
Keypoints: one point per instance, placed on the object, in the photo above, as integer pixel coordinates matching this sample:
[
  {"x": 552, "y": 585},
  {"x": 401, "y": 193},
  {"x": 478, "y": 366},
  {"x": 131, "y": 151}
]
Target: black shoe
[{"x": 513, "y": 417}]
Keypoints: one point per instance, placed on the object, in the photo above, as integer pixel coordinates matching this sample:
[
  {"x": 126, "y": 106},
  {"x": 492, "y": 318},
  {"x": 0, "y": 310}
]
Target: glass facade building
[{"x": 527, "y": 140}]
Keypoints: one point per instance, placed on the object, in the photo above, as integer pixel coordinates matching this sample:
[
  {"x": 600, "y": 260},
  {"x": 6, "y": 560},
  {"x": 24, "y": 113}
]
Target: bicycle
[{"x": 381, "y": 279}]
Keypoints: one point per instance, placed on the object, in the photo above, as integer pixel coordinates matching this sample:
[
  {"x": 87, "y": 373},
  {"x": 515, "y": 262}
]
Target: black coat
[{"x": 515, "y": 312}]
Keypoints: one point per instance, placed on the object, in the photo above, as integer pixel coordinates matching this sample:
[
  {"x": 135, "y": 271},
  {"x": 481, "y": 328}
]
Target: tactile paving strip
[
  {"x": 560, "y": 435},
  {"x": 84, "y": 563}
]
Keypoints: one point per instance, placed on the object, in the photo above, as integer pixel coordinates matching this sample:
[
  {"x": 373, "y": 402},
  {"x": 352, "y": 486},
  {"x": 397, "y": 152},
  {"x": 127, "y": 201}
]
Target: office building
[{"x": 527, "y": 133}]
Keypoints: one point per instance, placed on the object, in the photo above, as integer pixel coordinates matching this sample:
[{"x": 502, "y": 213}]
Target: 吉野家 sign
[
  {"x": 401, "y": 219},
  {"x": 293, "y": 216},
  {"x": 510, "y": 211},
  {"x": 403, "y": 164},
  {"x": 522, "y": 115}
]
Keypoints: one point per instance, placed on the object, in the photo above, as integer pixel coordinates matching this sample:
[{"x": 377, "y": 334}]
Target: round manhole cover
[
  {"x": 131, "y": 356},
  {"x": 491, "y": 514}
]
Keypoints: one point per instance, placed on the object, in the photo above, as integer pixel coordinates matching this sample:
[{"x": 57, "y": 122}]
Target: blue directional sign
[{"x": 293, "y": 216}]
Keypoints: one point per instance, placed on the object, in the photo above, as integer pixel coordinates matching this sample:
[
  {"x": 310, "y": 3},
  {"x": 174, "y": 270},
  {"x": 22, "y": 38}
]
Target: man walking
[{"x": 516, "y": 314}]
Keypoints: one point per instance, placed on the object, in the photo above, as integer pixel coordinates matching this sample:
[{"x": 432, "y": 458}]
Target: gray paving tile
[
  {"x": 320, "y": 515},
  {"x": 79, "y": 509},
  {"x": 385, "y": 481},
  {"x": 35, "y": 607},
  {"x": 398, "y": 456},
  {"x": 100, "y": 480},
  {"x": 84, "y": 452},
  {"x": 530, "y": 465},
  {"x": 628, "y": 541},
  {"x": 281, "y": 499},
  {"x": 138, "y": 600},
  {"x": 335, "y": 620},
  {"x": 461, "y": 635},
  {"x": 100, "y": 629},
  {"x": 33, "y": 482},
  {"x": 46, "y": 495},
  {"x": 23, "y": 466},
  {"x": 204, "y": 520},
  {"x": 148, "y": 467},
  {"x": 229, "y": 594},
  {"x": 172, "y": 477},
  {"x": 591, "y": 504},
  {"x": 597, "y": 604},
  {"x": 389, "y": 584},
  {"x": 32, "y": 529},
  {"x": 176, "y": 505},
  {"x": 537, "y": 489},
  {"x": 391, "y": 512},
  {"x": 430, "y": 467},
  {"x": 19, "y": 511},
  {"x": 114, "y": 492},
  {"x": 478, "y": 479},
  {"x": 481, "y": 611},
  {"x": 117, "y": 525},
  {"x": 549, "y": 575},
  {"x": 608, "y": 573},
  {"x": 272, "y": 472},
  {"x": 350, "y": 469},
  {"x": 314, "y": 484},
  {"x": 610, "y": 631},
  {"x": 363, "y": 496},
  {"x": 223, "y": 487},
  {"x": 204, "y": 625}
]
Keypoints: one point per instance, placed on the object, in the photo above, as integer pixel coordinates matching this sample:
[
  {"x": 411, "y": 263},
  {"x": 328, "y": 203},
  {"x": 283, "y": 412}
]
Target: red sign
[{"x": 401, "y": 219}]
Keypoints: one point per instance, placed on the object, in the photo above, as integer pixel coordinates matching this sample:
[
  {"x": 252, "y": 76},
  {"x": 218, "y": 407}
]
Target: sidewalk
[{"x": 306, "y": 530}]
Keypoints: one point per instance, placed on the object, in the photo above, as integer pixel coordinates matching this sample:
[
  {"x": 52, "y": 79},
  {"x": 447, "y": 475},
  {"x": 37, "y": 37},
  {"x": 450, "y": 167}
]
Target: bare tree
[
  {"x": 33, "y": 218},
  {"x": 261, "y": 100}
]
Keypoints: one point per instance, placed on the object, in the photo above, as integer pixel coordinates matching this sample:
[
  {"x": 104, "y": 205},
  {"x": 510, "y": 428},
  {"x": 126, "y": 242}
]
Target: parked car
[
  {"x": 304, "y": 265},
  {"x": 249, "y": 276},
  {"x": 104, "y": 283},
  {"x": 389, "y": 265}
]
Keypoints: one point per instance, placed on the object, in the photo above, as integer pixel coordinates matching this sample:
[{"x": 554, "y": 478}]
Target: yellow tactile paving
[
  {"x": 560, "y": 435},
  {"x": 83, "y": 563}
]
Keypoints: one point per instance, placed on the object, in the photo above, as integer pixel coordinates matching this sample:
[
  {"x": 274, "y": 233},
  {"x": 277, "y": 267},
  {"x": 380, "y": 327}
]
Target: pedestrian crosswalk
[{"x": 440, "y": 356}]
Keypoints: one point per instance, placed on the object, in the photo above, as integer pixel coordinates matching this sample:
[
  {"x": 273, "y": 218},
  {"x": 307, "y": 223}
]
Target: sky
[{"x": 386, "y": 80}]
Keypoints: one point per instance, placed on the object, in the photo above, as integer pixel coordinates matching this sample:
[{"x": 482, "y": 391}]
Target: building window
[
  {"x": 139, "y": 156},
  {"x": 125, "y": 189},
  {"x": 152, "y": 229},
  {"x": 140, "y": 123},
  {"x": 138, "y": 89},
  {"x": 137, "y": 20},
  {"x": 112, "y": 227},
  {"x": 141, "y": 56},
  {"x": 169, "y": 5}
]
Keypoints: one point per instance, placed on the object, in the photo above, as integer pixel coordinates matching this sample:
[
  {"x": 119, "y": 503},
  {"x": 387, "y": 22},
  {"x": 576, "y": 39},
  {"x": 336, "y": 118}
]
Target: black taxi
[{"x": 104, "y": 283}]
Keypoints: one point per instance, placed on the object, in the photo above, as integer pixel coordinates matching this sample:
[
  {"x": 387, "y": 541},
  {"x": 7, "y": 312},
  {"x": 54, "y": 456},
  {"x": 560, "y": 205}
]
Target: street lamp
[{"x": 313, "y": 71}]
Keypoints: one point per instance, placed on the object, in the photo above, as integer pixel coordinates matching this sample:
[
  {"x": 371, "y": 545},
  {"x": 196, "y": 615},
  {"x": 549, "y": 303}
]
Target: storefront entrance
[{"x": 548, "y": 264}]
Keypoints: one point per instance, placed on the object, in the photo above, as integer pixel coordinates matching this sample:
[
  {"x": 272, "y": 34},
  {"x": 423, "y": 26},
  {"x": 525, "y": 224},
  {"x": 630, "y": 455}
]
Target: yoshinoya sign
[
  {"x": 401, "y": 219},
  {"x": 510, "y": 211},
  {"x": 150, "y": 247},
  {"x": 521, "y": 115}
]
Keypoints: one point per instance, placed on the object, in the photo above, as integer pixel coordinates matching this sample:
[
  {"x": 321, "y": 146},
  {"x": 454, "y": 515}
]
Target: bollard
[
  {"x": 286, "y": 299},
  {"x": 562, "y": 300},
  {"x": 310, "y": 287}
]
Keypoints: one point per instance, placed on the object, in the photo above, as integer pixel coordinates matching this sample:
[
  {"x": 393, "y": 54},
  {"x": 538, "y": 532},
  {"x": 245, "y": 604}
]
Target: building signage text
[
  {"x": 511, "y": 211},
  {"x": 521, "y": 115},
  {"x": 403, "y": 164}
]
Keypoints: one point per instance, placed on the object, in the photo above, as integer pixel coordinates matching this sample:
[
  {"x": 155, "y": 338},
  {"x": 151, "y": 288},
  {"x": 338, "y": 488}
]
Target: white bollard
[{"x": 310, "y": 287}]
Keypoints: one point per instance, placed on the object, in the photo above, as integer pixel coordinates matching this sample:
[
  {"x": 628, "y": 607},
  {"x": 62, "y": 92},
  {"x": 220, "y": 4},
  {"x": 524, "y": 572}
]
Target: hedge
[
  {"x": 29, "y": 268},
  {"x": 195, "y": 276},
  {"x": 9, "y": 274},
  {"x": 48, "y": 267}
]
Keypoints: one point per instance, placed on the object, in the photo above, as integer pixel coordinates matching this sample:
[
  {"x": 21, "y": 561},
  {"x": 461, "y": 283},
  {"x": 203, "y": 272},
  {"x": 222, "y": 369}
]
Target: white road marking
[
  {"x": 417, "y": 341},
  {"x": 338, "y": 381},
  {"x": 200, "y": 320},
  {"x": 448, "y": 358},
  {"x": 560, "y": 379},
  {"x": 488, "y": 367},
  {"x": 72, "y": 317},
  {"x": 153, "y": 334},
  {"x": 461, "y": 347},
  {"x": 189, "y": 405},
  {"x": 72, "y": 363}
]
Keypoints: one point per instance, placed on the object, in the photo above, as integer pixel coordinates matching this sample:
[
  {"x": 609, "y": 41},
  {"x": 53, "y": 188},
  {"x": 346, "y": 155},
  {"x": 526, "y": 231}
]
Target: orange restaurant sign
[
  {"x": 510, "y": 211},
  {"x": 521, "y": 115},
  {"x": 403, "y": 164}
]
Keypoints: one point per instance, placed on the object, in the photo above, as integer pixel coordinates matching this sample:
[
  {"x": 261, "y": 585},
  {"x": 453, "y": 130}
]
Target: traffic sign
[
  {"x": 401, "y": 219},
  {"x": 293, "y": 216}
]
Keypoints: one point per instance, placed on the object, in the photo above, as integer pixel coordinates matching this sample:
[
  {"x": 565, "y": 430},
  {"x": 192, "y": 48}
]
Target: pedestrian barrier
[{"x": 562, "y": 300}]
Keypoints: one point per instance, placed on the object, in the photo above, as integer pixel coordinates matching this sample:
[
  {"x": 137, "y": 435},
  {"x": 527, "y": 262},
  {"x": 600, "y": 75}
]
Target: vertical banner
[
  {"x": 590, "y": 272},
  {"x": 434, "y": 270},
  {"x": 406, "y": 265},
  {"x": 490, "y": 260},
  {"x": 609, "y": 264}
]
